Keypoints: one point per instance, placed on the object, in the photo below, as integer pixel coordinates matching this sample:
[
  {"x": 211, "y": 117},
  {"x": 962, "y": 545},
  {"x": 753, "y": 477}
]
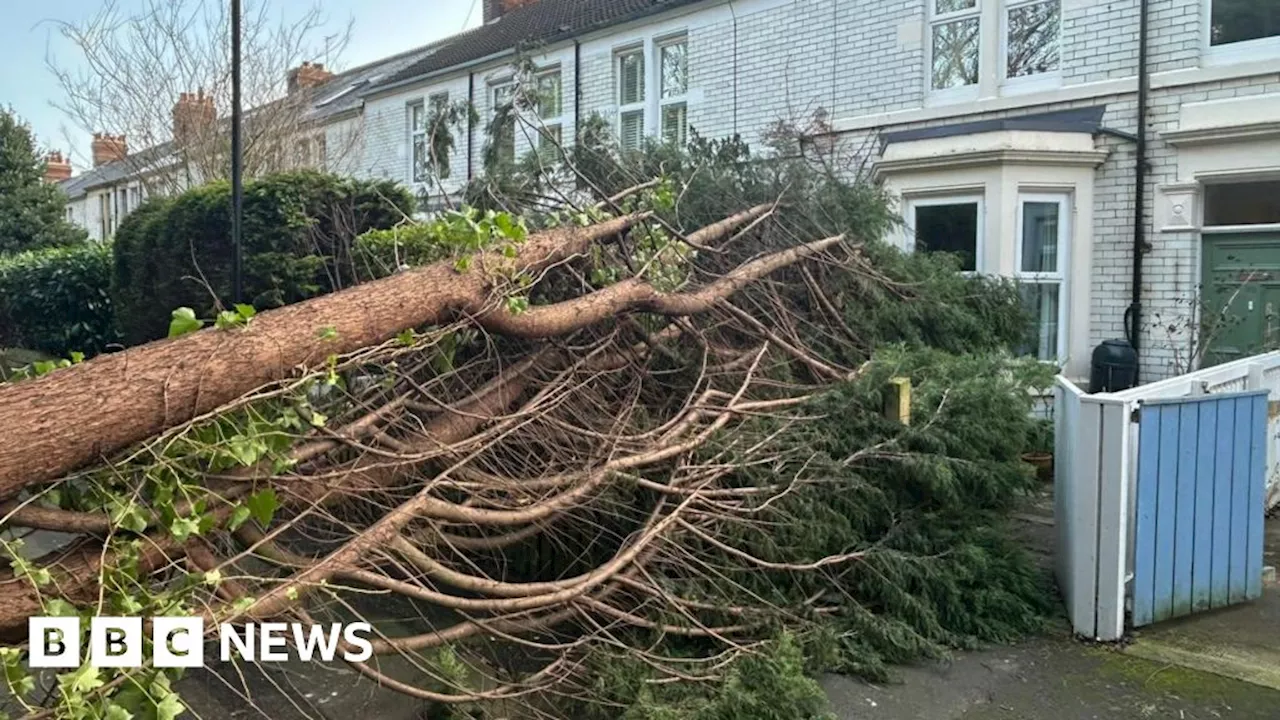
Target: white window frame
[
  {"x": 494, "y": 88},
  {"x": 980, "y": 245},
  {"x": 1267, "y": 48},
  {"x": 412, "y": 132},
  {"x": 964, "y": 92},
  {"x": 441, "y": 97},
  {"x": 993, "y": 54},
  {"x": 548, "y": 123},
  {"x": 1026, "y": 83},
  {"x": 1059, "y": 277},
  {"x": 642, "y": 105},
  {"x": 682, "y": 99}
]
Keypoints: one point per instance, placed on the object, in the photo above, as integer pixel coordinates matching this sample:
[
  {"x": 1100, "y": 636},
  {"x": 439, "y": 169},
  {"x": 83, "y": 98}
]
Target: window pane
[
  {"x": 417, "y": 118},
  {"x": 674, "y": 122},
  {"x": 1239, "y": 20},
  {"x": 549, "y": 143},
  {"x": 438, "y": 102},
  {"x": 1041, "y": 301},
  {"x": 631, "y": 78},
  {"x": 1040, "y": 236},
  {"x": 549, "y": 95},
  {"x": 631, "y": 129},
  {"x": 949, "y": 228},
  {"x": 675, "y": 70},
  {"x": 955, "y": 53},
  {"x": 420, "y": 156},
  {"x": 946, "y": 6},
  {"x": 502, "y": 95},
  {"x": 1242, "y": 203},
  {"x": 1033, "y": 39}
]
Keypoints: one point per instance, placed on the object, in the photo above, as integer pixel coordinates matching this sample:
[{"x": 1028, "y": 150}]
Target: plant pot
[{"x": 1042, "y": 462}]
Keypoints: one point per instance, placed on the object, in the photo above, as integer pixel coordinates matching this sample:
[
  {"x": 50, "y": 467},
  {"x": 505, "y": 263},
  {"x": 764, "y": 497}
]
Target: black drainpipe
[
  {"x": 1133, "y": 316},
  {"x": 471, "y": 108},
  {"x": 577, "y": 88}
]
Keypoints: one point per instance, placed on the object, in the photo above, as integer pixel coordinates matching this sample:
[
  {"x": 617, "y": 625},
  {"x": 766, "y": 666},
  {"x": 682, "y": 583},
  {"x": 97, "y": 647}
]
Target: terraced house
[{"x": 1113, "y": 155}]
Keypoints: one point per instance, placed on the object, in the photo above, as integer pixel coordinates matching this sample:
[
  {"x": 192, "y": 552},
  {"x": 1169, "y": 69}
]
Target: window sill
[{"x": 1261, "y": 50}]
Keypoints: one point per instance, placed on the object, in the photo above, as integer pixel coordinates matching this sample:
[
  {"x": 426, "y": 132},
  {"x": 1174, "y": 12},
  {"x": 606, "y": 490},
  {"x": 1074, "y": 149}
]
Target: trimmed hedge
[
  {"x": 298, "y": 233},
  {"x": 57, "y": 300}
]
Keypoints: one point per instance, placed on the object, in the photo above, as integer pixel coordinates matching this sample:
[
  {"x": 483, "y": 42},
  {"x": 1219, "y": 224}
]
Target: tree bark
[{"x": 79, "y": 415}]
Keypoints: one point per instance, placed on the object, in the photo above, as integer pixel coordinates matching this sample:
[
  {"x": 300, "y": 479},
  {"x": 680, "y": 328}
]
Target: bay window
[
  {"x": 947, "y": 224},
  {"x": 1041, "y": 262}
]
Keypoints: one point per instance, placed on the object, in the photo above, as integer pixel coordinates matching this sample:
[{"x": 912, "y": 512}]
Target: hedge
[
  {"x": 298, "y": 233},
  {"x": 57, "y": 300}
]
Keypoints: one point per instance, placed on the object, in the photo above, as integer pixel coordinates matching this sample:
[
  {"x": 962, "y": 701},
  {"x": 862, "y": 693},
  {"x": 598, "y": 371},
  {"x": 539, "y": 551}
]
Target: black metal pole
[{"x": 237, "y": 189}]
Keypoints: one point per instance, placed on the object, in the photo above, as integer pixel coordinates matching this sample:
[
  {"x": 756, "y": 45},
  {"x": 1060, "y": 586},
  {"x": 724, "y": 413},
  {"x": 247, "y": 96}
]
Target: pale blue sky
[{"x": 381, "y": 28}]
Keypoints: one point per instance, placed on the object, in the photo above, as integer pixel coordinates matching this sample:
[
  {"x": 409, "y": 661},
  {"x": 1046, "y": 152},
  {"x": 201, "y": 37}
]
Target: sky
[{"x": 29, "y": 35}]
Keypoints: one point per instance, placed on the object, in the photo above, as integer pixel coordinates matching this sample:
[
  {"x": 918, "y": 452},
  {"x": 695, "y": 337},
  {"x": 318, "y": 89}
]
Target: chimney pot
[
  {"x": 193, "y": 116},
  {"x": 108, "y": 148},
  {"x": 56, "y": 167},
  {"x": 307, "y": 75}
]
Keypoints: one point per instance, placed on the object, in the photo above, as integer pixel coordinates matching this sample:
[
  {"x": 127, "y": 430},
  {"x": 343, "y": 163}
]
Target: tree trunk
[{"x": 85, "y": 413}]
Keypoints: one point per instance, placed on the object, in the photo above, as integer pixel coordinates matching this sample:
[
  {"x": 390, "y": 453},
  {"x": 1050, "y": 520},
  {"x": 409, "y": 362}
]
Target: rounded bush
[
  {"x": 57, "y": 300},
  {"x": 298, "y": 233}
]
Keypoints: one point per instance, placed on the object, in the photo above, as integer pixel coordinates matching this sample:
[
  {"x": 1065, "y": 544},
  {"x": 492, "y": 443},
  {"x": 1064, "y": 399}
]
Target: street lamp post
[{"x": 237, "y": 189}]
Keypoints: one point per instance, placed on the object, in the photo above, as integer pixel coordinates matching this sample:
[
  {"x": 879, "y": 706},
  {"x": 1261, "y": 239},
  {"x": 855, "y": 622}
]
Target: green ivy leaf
[
  {"x": 238, "y": 516},
  {"x": 183, "y": 528},
  {"x": 184, "y": 321},
  {"x": 115, "y": 712},
  {"x": 228, "y": 319},
  {"x": 169, "y": 707},
  {"x": 83, "y": 680},
  {"x": 245, "y": 311},
  {"x": 328, "y": 332},
  {"x": 406, "y": 337},
  {"x": 262, "y": 506},
  {"x": 57, "y": 607}
]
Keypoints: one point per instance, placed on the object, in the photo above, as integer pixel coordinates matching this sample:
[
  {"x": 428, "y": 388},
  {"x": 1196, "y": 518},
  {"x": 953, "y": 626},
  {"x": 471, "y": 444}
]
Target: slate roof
[
  {"x": 338, "y": 95},
  {"x": 539, "y": 23}
]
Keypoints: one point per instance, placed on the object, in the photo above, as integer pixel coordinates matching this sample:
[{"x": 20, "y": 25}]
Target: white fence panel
[{"x": 1091, "y": 508}]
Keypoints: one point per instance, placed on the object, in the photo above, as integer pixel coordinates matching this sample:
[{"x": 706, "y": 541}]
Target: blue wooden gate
[{"x": 1199, "y": 508}]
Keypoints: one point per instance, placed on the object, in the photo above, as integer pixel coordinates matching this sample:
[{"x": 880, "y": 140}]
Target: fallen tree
[{"x": 610, "y": 467}]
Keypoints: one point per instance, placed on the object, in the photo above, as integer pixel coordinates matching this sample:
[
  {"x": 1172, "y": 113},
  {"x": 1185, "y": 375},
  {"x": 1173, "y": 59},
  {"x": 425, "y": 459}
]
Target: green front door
[{"x": 1241, "y": 293}]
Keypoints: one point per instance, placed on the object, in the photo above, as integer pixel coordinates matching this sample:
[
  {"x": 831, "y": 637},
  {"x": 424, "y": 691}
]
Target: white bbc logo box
[{"x": 178, "y": 642}]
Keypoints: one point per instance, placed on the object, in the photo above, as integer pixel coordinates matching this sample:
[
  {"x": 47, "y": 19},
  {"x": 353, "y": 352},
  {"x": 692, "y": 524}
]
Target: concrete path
[{"x": 1052, "y": 678}]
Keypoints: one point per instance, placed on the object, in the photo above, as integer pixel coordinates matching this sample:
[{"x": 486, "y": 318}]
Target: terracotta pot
[{"x": 1042, "y": 462}]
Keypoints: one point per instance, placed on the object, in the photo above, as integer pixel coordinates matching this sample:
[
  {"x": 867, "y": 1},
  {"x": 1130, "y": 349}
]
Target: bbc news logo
[{"x": 178, "y": 642}]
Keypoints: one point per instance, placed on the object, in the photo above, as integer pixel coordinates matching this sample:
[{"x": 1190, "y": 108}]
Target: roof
[
  {"x": 1083, "y": 120},
  {"x": 539, "y": 23},
  {"x": 338, "y": 95}
]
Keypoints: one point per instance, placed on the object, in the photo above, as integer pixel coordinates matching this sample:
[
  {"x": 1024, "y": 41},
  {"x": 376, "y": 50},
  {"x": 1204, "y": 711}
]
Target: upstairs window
[
  {"x": 504, "y": 131},
  {"x": 1233, "y": 21},
  {"x": 631, "y": 106},
  {"x": 550, "y": 106},
  {"x": 955, "y": 33},
  {"x": 964, "y": 35},
  {"x": 437, "y": 138},
  {"x": 1031, "y": 38},
  {"x": 673, "y": 110},
  {"x": 419, "y": 155}
]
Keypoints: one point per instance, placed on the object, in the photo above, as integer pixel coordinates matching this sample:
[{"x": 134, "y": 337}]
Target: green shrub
[
  {"x": 298, "y": 233},
  {"x": 57, "y": 300}
]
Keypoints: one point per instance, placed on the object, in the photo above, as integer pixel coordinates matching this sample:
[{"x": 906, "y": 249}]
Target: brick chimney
[
  {"x": 108, "y": 148},
  {"x": 56, "y": 167},
  {"x": 494, "y": 9},
  {"x": 193, "y": 115},
  {"x": 308, "y": 75}
]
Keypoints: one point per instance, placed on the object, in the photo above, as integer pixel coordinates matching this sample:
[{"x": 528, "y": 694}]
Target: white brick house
[
  {"x": 1007, "y": 130},
  {"x": 974, "y": 142}
]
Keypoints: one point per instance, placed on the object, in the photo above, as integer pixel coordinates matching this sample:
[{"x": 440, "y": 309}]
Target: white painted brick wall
[{"x": 755, "y": 62}]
